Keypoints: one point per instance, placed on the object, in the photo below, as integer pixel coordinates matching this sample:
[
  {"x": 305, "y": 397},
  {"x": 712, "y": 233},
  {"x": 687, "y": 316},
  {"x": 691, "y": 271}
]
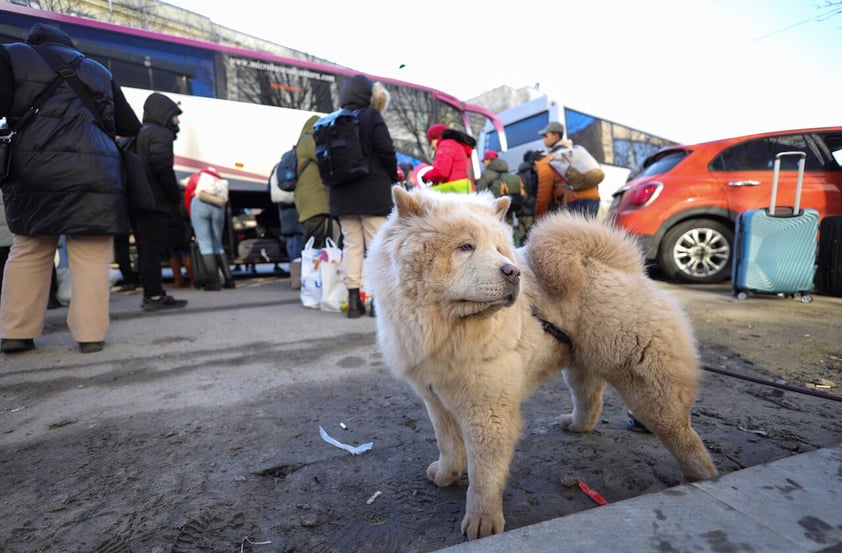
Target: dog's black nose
[{"x": 511, "y": 272}]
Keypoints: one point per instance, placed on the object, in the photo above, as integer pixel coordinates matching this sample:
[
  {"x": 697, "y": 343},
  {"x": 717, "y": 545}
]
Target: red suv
[{"x": 683, "y": 201}]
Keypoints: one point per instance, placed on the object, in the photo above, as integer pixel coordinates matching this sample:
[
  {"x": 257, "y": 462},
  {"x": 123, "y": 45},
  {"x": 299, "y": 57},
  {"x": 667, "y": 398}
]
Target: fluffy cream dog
[{"x": 475, "y": 326}]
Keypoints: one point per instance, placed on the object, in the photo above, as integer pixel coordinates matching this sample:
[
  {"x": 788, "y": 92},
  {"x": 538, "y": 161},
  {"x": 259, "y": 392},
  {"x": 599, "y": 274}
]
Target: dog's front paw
[
  {"x": 481, "y": 525},
  {"x": 441, "y": 477},
  {"x": 569, "y": 423}
]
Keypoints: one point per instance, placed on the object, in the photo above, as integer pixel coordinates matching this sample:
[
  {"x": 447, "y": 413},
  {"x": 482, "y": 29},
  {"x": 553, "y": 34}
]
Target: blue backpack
[
  {"x": 286, "y": 171},
  {"x": 339, "y": 151}
]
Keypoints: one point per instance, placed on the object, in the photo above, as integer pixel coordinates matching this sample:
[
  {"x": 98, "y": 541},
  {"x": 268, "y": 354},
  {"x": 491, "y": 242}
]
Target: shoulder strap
[
  {"x": 68, "y": 73},
  {"x": 33, "y": 110}
]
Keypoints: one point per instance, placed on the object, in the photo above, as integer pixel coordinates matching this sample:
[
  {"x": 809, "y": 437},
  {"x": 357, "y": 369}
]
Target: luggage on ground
[
  {"x": 829, "y": 271},
  {"x": 260, "y": 250},
  {"x": 775, "y": 248}
]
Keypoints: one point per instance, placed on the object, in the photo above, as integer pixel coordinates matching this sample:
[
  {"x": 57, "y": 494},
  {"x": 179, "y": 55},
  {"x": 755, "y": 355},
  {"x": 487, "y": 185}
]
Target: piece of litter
[
  {"x": 342, "y": 426},
  {"x": 373, "y": 497},
  {"x": 593, "y": 494},
  {"x": 349, "y": 448},
  {"x": 751, "y": 431},
  {"x": 243, "y": 543}
]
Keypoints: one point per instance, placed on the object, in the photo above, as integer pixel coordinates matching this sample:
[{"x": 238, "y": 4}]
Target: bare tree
[{"x": 71, "y": 7}]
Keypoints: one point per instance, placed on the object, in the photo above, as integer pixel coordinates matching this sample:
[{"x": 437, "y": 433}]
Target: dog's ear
[
  {"x": 407, "y": 203},
  {"x": 501, "y": 206}
]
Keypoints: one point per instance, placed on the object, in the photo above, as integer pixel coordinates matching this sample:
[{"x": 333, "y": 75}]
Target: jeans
[
  {"x": 585, "y": 207},
  {"x": 208, "y": 221},
  {"x": 295, "y": 243}
]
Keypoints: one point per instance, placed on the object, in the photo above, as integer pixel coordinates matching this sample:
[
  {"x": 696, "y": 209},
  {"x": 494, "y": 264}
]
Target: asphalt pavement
[{"x": 792, "y": 505}]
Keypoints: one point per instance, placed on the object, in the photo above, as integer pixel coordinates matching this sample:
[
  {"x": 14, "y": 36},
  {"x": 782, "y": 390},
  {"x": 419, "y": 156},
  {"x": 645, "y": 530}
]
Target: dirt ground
[{"x": 244, "y": 469}]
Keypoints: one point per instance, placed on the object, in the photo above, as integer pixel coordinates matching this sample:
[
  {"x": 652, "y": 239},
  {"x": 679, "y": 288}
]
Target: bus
[
  {"x": 618, "y": 148},
  {"x": 242, "y": 109}
]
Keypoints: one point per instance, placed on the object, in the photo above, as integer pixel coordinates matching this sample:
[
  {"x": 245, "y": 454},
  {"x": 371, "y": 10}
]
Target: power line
[{"x": 818, "y": 18}]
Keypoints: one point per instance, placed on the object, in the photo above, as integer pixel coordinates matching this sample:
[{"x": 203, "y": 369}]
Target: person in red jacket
[{"x": 451, "y": 170}]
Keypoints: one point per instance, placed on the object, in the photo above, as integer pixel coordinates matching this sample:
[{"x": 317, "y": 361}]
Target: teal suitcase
[{"x": 775, "y": 248}]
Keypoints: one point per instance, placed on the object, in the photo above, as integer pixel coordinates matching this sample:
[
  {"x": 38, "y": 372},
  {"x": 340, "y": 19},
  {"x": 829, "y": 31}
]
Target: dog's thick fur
[{"x": 459, "y": 316}]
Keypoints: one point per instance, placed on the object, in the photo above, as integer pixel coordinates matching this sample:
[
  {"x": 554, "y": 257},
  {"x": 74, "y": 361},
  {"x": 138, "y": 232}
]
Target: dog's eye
[{"x": 466, "y": 247}]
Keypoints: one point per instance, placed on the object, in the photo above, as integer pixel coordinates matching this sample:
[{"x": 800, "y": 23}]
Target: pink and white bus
[{"x": 242, "y": 108}]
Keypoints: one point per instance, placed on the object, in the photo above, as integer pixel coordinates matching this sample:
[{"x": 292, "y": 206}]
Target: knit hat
[
  {"x": 434, "y": 132},
  {"x": 490, "y": 154}
]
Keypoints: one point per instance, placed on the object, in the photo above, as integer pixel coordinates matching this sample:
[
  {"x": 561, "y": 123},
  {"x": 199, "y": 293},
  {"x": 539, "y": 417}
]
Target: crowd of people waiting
[{"x": 69, "y": 186}]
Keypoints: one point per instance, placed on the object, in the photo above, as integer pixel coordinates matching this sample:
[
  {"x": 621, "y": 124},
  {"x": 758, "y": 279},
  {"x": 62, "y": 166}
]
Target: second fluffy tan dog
[{"x": 475, "y": 327}]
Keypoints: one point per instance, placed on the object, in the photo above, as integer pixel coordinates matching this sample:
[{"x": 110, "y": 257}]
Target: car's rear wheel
[{"x": 697, "y": 251}]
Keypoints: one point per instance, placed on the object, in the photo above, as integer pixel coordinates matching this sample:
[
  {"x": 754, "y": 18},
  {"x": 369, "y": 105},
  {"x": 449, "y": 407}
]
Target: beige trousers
[
  {"x": 357, "y": 233},
  {"x": 26, "y": 286}
]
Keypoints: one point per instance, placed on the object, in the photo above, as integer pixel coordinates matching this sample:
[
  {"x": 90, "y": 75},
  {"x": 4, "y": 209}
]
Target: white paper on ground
[{"x": 362, "y": 448}]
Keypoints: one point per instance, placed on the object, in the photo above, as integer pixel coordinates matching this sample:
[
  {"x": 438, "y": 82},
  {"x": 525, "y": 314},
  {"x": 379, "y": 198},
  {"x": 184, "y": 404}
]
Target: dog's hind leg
[
  {"x": 666, "y": 412},
  {"x": 452, "y": 457},
  {"x": 586, "y": 391}
]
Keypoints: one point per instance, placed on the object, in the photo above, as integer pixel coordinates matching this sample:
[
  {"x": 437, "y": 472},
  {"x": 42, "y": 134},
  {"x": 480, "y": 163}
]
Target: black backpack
[
  {"x": 339, "y": 151},
  {"x": 286, "y": 171}
]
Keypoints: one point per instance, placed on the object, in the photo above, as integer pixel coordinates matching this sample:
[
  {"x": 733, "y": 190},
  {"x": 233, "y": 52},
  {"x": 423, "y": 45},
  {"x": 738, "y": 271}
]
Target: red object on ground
[{"x": 593, "y": 494}]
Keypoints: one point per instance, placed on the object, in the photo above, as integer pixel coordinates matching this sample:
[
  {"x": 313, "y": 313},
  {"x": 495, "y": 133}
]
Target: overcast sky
[{"x": 687, "y": 70}]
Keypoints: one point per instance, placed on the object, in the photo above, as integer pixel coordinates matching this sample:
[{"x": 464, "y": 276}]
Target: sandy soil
[{"x": 244, "y": 469}]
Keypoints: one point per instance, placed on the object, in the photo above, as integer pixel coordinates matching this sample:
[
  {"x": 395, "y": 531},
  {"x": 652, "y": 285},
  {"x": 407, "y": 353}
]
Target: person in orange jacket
[{"x": 552, "y": 193}]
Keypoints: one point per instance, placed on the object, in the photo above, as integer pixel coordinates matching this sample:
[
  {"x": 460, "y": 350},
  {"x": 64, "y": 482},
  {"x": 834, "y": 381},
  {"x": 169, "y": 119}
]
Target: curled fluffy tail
[{"x": 564, "y": 250}]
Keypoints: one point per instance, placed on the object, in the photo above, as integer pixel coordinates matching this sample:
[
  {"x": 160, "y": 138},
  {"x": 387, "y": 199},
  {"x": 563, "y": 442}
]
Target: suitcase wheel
[
  {"x": 741, "y": 295},
  {"x": 806, "y": 298}
]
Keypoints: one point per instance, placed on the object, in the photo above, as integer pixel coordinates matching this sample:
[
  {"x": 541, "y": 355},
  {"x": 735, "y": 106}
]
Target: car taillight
[{"x": 643, "y": 194}]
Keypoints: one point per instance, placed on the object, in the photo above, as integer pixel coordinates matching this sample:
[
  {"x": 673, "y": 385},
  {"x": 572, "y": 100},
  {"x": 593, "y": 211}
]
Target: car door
[{"x": 745, "y": 173}]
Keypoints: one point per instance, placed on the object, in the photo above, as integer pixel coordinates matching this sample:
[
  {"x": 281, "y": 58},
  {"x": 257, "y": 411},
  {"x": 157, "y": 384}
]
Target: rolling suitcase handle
[{"x": 775, "y": 174}]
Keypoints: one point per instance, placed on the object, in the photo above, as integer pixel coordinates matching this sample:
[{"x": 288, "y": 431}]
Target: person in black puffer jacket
[
  {"x": 65, "y": 178},
  {"x": 155, "y": 148},
  {"x": 362, "y": 206}
]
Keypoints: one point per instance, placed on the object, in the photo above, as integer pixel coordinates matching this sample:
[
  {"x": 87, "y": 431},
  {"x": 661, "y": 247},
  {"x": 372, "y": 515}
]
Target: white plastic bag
[
  {"x": 311, "y": 276},
  {"x": 334, "y": 292}
]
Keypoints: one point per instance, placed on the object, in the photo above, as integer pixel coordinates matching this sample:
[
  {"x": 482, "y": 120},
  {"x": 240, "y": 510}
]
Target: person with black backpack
[
  {"x": 64, "y": 178},
  {"x": 361, "y": 206}
]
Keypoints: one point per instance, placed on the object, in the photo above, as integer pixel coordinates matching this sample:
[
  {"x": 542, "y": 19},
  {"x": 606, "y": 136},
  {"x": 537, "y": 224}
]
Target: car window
[
  {"x": 661, "y": 165},
  {"x": 759, "y": 155},
  {"x": 831, "y": 145}
]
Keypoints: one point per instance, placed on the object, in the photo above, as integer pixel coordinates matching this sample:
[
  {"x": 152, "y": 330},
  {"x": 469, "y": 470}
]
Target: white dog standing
[{"x": 475, "y": 327}]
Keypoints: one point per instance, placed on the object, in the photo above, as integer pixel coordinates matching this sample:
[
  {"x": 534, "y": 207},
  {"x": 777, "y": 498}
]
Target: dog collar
[{"x": 553, "y": 330}]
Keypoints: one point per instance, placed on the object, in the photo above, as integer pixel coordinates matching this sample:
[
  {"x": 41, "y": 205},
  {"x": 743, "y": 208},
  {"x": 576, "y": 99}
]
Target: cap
[
  {"x": 555, "y": 127},
  {"x": 490, "y": 154},
  {"x": 434, "y": 132}
]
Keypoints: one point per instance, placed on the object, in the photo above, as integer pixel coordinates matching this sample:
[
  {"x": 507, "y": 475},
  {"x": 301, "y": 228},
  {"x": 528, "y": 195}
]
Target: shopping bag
[
  {"x": 334, "y": 292},
  {"x": 311, "y": 276}
]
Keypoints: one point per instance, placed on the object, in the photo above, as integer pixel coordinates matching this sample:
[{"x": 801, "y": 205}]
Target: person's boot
[
  {"x": 371, "y": 308},
  {"x": 228, "y": 278},
  {"x": 188, "y": 266},
  {"x": 355, "y": 305},
  {"x": 177, "y": 278},
  {"x": 212, "y": 283}
]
